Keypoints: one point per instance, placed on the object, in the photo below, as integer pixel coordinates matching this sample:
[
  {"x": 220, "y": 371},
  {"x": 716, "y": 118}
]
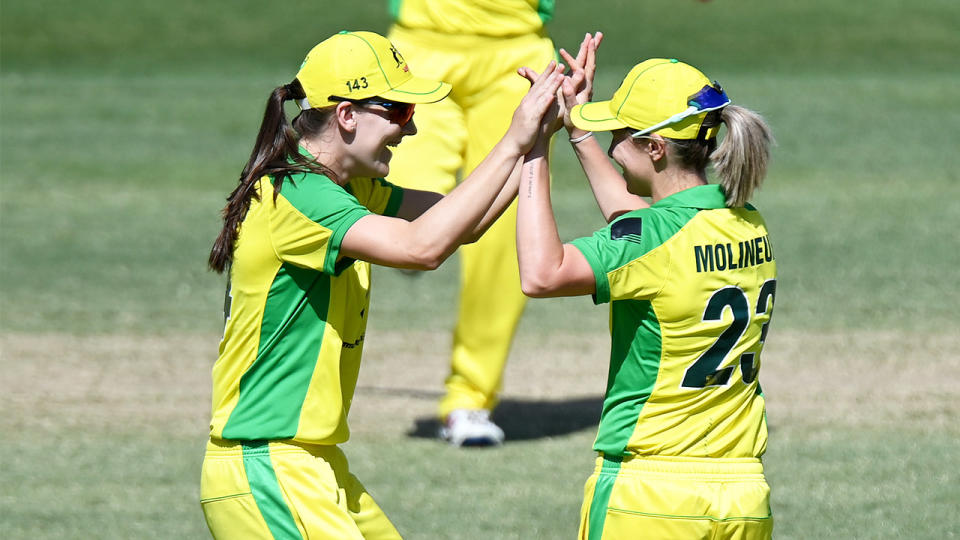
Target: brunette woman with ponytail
[
  {"x": 311, "y": 212},
  {"x": 275, "y": 154},
  {"x": 690, "y": 279}
]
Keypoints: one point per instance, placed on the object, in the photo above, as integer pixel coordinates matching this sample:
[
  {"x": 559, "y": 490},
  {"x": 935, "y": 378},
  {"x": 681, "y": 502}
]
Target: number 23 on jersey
[{"x": 706, "y": 370}]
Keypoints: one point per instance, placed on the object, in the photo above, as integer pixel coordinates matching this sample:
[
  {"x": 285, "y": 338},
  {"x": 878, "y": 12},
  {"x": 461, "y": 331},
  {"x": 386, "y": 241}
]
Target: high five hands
[
  {"x": 576, "y": 86},
  {"x": 537, "y": 107}
]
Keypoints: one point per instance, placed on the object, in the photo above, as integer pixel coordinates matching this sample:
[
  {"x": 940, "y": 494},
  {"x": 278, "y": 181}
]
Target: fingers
[
  {"x": 569, "y": 93},
  {"x": 553, "y": 81},
  {"x": 577, "y": 63},
  {"x": 582, "y": 54},
  {"x": 590, "y": 66},
  {"x": 547, "y": 82},
  {"x": 586, "y": 55},
  {"x": 538, "y": 80},
  {"x": 528, "y": 74},
  {"x": 550, "y": 77},
  {"x": 591, "y": 62},
  {"x": 545, "y": 89},
  {"x": 575, "y": 79}
]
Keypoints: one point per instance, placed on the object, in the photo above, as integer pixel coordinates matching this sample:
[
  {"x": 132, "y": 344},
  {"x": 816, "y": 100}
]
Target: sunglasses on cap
[
  {"x": 398, "y": 113},
  {"x": 709, "y": 98}
]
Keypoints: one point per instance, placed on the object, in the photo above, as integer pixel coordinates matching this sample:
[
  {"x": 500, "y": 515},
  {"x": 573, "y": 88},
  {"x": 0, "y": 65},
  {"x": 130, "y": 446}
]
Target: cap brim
[
  {"x": 595, "y": 116},
  {"x": 417, "y": 90}
]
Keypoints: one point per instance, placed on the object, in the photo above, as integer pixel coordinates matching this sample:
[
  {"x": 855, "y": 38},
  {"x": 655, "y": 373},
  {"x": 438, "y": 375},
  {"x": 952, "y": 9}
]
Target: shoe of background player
[{"x": 471, "y": 427}]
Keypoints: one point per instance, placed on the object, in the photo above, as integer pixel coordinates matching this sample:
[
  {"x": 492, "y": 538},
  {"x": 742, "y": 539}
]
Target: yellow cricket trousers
[
  {"x": 260, "y": 489},
  {"x": 454, "y": 135},
  {"x": 664, "y": 498}
]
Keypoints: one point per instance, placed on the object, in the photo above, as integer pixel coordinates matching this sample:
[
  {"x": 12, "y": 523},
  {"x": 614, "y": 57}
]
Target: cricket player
[
  {"x": 311, "y": 213},
  {"x": 691, "y": 281},
  {"x": 477, "y": 47}
]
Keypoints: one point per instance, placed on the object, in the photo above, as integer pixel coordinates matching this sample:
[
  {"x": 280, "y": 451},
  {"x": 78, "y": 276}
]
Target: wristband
[{"x": 585, "y": 136}]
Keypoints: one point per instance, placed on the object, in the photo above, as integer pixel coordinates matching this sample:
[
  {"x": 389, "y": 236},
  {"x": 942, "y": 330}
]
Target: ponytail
[
  {"x": 741, "y": 159},
  {"x": 276, "y": 153}
]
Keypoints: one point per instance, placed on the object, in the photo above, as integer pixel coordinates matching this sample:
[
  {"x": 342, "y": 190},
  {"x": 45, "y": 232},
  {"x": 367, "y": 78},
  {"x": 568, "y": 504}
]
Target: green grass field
[{"x": 124, "y": 126}]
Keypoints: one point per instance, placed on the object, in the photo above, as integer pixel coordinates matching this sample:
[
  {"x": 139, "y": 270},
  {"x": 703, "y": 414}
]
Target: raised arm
[
  {"x": 608, "y": 186},
  {"x": 548, "y": 267},
  {"x": 429, "y": 239},
  {"x": 415, "y": 203}
]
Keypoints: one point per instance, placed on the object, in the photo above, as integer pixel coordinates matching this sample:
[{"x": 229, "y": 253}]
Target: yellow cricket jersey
[
  {"x": 296, "y": 315},
  {"x": 691, "y": 285},
  {"x": 495, "y": 18}
]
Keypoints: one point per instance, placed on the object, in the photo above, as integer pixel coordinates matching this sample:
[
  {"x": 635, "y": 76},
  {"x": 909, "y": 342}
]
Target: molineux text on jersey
[{"x": 729, "y": 256}]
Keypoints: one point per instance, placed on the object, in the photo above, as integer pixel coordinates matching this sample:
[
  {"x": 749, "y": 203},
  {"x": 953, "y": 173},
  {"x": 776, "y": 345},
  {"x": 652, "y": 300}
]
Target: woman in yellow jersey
[
  {"x": 691, "y": 280},
  {"x": 310, "y": 214},
  {"x": 477, "y": 47}
]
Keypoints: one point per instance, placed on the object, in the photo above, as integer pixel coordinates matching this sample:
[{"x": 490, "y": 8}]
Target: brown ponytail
[{"x": 276, "y": 153}]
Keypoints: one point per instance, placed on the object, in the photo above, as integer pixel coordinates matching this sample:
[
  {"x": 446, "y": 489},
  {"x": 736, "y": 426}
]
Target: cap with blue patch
[{"x": 659, "y": 95}]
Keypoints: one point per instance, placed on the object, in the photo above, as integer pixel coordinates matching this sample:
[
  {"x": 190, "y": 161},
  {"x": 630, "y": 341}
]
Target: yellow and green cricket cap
[
  {"x": 360, "y": 65},
  {"x": 659, "y": 95}
]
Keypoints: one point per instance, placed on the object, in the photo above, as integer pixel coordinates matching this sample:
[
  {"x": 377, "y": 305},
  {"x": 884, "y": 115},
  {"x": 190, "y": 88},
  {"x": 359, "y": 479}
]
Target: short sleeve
[
  {"x": 626, "y": 262},
  {"x": 592, "y": 249},
  {"x": 377, "y": 195},
  {"x": 311, "y": 217}
]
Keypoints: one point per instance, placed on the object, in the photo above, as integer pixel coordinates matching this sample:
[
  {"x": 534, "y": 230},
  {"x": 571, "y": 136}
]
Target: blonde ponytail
[{"x": 741, "y": 159}]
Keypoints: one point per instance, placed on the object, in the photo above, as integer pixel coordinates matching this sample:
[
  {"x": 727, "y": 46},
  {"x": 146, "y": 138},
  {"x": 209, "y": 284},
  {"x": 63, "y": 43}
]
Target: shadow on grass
[{"x": 524, "y": 420}]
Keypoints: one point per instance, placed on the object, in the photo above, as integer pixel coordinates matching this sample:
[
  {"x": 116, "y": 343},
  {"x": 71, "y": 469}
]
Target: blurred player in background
[
  {"x": 311, "y": 213},
  {"x": 691, "y": 280},
  {"x": 477, "y": 47}
]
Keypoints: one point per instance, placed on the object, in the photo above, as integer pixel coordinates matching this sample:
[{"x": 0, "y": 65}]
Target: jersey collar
[{"x": 708, "y": 197}]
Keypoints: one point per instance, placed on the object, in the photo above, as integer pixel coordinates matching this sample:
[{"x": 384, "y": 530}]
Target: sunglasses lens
[
  {"x": 398, "y": 113},
  {"x": 401, "y": 113}
]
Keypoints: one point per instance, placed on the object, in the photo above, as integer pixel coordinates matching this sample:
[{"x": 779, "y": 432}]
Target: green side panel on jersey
[
  {"x": 634, "y": 366},
  {"x": 636, "y": 339},
  {"x": 545, "y": 10},
  {"x": 273, "y": 389},
  {"x": 266, "y": 491},
  {"x": 601, "y": 497}
]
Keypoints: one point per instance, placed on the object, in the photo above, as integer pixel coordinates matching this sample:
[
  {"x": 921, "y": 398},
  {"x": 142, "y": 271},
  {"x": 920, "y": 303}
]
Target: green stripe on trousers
[
  {"x": 266, "y": 491},
  {"x": 601, "y": 496}
]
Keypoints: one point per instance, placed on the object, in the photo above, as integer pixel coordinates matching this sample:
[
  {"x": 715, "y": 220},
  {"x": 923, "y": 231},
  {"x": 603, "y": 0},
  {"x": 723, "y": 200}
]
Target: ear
[
  {"x": 656, "y": 147},
  {"x": 346, "y": 116}
]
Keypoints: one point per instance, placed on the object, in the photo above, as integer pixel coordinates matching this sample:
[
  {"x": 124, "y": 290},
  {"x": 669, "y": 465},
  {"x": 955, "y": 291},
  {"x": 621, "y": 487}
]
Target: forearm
[
  {"x": 428, "y": 240},
  {"x": 608, "y": 185},
  {"x": 503, "y": 200},
  {"x": 473, "y": 205},
  {"x": 539, "y": 249}
]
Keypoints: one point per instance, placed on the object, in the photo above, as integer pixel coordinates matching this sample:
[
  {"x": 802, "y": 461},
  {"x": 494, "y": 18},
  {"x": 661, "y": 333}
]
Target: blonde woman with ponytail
[
  {"x": 311, "y": 212},
  {"x": 690, "y": 278}
]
